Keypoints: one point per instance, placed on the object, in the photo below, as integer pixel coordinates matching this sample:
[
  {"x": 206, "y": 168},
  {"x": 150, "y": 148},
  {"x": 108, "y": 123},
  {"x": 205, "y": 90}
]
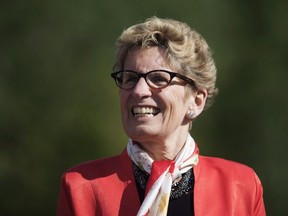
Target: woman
[{"x": 166, "y": 76}]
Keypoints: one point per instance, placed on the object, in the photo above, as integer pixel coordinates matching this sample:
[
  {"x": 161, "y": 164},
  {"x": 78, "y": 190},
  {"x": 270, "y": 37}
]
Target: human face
[{"x": 153, "y": 115}]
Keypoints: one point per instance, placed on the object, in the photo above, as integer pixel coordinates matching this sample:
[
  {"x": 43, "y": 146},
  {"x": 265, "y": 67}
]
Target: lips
[{"x": 145, "y": 111}]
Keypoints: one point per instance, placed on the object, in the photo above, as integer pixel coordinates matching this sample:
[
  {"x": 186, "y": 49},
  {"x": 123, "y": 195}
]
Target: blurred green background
[{"x": 59, "y": 106}]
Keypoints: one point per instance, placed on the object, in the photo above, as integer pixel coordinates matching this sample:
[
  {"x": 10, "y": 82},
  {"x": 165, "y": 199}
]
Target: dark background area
[{"x": 59, "y": 106}]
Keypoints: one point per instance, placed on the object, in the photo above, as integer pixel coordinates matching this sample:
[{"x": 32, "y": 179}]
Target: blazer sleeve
[
  {"x": 76, "y": 197},
  {"x": 259, "y": 209},
  {"x": 64, "y": 207}
]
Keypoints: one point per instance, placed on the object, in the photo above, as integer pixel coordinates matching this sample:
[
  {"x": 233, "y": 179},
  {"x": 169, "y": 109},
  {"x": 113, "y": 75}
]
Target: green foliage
[{"x": 59, "y": 106}]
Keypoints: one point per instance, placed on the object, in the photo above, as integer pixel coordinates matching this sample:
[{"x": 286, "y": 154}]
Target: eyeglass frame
[{"x": 144, "y": 75}]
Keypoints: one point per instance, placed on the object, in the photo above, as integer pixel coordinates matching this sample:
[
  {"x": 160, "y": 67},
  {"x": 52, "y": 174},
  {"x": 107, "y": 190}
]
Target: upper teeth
[{"x": 145, "y": 110}]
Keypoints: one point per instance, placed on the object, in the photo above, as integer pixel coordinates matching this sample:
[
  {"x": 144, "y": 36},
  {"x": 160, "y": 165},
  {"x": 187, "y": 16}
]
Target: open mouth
[{"x": 145, "y": 111}]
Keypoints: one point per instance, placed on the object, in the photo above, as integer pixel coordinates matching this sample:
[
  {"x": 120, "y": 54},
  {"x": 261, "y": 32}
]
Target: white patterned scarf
[{"x": 162, "y": 175}]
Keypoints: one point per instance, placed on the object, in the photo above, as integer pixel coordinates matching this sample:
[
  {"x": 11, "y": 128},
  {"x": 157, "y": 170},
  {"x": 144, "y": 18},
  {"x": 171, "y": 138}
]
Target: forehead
[{"x": 146, "y": 59}]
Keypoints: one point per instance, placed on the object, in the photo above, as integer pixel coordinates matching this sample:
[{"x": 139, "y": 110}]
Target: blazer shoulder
[
  {"x": 96, "y": 163},
  {"x": 227, "y": 168},
  {"x": 95, "y": 169},
  {"x": 229, "y": 181},
  {"x": 229, "y": 172},
  {"x": 220, "y": 163}
]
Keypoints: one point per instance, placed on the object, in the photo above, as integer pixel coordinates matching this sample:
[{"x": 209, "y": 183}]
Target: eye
[
  {"x": 129, "y": 77},
  {"x": 159, "y": 78}
]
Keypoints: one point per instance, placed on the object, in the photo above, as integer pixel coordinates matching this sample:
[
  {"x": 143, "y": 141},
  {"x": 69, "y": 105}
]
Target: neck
[{"x": 166, "y": 149}]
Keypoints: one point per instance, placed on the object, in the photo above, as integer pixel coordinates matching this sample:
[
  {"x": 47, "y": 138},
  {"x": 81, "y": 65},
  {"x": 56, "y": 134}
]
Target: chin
[{"x": 139, "y": 133}]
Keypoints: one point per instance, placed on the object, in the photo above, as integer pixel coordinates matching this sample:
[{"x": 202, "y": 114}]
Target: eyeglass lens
[{"x": 155, "y": 79}]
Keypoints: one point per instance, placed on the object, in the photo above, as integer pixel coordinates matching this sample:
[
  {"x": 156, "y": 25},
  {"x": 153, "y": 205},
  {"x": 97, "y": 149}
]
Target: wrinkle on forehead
[{"x": 147, "y": 59}]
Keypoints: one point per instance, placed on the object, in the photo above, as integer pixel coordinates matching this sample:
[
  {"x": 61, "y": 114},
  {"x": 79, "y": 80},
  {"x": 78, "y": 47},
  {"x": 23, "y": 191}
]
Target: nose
[{"x": 141, "y": 89}]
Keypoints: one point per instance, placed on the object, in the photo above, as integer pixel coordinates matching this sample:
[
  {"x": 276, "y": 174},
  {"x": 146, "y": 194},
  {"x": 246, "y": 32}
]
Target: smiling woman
[{"x": 166, "y": 75}]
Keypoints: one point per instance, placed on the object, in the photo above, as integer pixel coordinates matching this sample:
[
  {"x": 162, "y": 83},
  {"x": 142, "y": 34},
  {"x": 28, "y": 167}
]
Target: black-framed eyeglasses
[{"x": 157, "y": 79}]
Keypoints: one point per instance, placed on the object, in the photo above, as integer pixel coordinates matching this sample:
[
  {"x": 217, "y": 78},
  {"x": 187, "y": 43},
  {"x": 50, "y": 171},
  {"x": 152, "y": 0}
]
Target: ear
[{"x": 197, "y": 102}]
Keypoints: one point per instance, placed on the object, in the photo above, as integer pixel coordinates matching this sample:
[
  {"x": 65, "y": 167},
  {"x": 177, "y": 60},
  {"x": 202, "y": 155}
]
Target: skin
[{"x": 162, "y": 135}]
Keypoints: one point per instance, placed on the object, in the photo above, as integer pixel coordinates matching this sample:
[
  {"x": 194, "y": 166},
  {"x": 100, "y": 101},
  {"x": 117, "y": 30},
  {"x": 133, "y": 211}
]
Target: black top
[{"x": 181, "y": 199}]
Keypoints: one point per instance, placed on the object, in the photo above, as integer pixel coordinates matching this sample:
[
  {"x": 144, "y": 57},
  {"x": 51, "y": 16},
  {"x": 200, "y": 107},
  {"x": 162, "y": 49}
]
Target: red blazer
[{"x": 107, "y": 187}]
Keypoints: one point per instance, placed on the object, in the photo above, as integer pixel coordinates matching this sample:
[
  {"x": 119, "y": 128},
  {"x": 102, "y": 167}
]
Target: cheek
[
  {"x": 175, "y": 105},
  {"x": 123, "y": 103},
  {"x": 123, "y": 95}
]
